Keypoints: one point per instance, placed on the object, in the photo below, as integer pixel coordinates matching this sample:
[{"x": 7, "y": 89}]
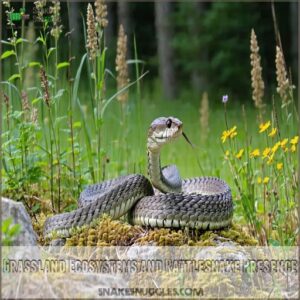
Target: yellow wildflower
[
  {"x": 239, "y": 154},
  {"x": 270, "y": 159},
  {"x": 264, "y": 126},
  {"x": 273, "y": 132},
  {"x": 226, "y": 154},
  {"x": 294, "y": 140},
  {"x": 254, "y": 153},
  {"x": 224, "y": 136},
  {"x": 279, "y": 166},
  {"x": 266, "y": 180},
  {"x": 231, "y": 133},
  {"x": 283, "y": 143},
  {"x": 259, "y": 180},
  {"x": 266, "y": 152},
  {"x": 293, "y": 148},
  {"x": 275, "y": 147}
]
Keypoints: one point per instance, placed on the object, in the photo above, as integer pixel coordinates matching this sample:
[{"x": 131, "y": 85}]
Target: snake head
[{"x": 162, "y": 131}]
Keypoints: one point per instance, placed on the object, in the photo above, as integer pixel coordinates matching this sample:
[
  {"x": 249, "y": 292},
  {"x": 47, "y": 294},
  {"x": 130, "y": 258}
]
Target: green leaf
[
  {"x": 135, "y": 61},
  {"x": 77, "y": 80},
  {"x": 17, "y": 114},
  {"x": 77, "y": 124},
  {"x": 119, "y": 92},
  {"x": 65, "y": 130},
  {"x": 8, "y": 53},
  {"x": 20, "y": 40},
  {"x": 62, "y": 65},
  {"x": 41, "y": 39},
  {"x": 6, "y": 43},
  {"x": 34, "y": 64},
  {"x": 36, "y": 207},
  {"x": 15, "y": 229},
  {"x": 50, "y": 51},
  {"x": 59, "y": 93},
  {"x": 13, "y": 77},
  {"x": 59, "y": 119},
  {"x": 5, "y": 225},
  {"x": 35, "y": 100},
  {"x": 87, "y": 138}
]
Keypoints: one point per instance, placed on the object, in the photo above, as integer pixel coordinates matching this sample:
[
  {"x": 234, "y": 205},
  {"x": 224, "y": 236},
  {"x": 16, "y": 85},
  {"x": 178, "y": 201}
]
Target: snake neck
[{"x": 158, "y": 179}]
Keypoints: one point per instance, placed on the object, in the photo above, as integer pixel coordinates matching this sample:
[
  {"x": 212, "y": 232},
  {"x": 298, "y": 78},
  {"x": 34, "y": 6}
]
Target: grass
[{"x": 84, "y": 135}]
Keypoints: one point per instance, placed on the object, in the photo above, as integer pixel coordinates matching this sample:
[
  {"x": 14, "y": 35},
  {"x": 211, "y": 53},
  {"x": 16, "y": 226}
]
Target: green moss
[
  {"x": 108, "y": 232},
  {"x": 163, "y": 237},
  {"x": 237, "y": 234}
]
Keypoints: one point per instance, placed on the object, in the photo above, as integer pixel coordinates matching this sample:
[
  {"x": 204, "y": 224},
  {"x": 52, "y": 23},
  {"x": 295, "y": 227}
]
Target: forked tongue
[
  {"x": 188, "y": 140},
  {"x": 194, "y": 149}
]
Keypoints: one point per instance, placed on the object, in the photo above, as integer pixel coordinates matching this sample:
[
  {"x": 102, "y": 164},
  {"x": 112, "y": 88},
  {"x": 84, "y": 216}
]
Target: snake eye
[{"x": 169, "y": 123}]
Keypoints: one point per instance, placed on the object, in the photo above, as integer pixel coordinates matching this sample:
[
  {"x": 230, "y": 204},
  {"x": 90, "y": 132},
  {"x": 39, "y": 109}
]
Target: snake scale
[{"x": 168, "y": 201}]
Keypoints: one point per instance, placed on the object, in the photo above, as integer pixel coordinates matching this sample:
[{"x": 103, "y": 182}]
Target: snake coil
[{"x": 168, "y": 201}]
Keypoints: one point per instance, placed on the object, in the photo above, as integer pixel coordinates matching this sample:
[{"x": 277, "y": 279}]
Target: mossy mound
[
  {"x": 164, "y": 237},
  {"x": 38, "y": 225},
  {"x": 108, "y": 232}
]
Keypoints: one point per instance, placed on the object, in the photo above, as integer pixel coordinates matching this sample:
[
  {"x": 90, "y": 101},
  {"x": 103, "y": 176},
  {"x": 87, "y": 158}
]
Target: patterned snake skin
[{"x": 201, "y": 203}]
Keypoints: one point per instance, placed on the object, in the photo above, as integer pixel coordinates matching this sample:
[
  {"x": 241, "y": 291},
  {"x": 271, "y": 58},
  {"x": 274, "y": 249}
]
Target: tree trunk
[
  {"x": 109, "y": 30},
  {"x": 294, "y": 38},
  {"x": 165, "y": 50},
  {"x": 74, "y": 26},
  {"x": 199, "y": 81}
]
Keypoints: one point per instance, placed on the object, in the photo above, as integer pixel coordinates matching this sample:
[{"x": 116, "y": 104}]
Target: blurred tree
[
  {"x": 124, "y": 19},
  {"x": 187, "y": 43},
  {"x": 109, "y": 32},
  {"x": 165, "y": 49},
  {"x": 214, "y": 41},
  {"x": 74, "y": 26},
  {"x": 294, "y": 38}
]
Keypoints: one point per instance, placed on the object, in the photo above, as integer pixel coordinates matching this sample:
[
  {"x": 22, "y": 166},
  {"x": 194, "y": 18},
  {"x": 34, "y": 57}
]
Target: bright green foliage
[
  {"x": 9, "y": 232},
  {"x": 22, "y": 163}
]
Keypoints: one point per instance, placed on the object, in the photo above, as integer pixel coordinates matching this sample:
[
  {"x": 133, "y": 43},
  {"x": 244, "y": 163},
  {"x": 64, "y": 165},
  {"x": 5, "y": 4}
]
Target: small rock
[{"x": 19, "y": 215}]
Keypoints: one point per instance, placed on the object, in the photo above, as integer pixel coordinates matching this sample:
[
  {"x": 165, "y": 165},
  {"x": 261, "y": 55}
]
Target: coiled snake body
[{"x": 200, "y": 203}]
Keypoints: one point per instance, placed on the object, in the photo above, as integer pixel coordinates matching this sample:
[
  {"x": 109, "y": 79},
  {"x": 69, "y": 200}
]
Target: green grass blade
[
  {"x": 119, "y": 92},
  {"x": 77, "y": 80},
  {"x": 87, "y": 140}
]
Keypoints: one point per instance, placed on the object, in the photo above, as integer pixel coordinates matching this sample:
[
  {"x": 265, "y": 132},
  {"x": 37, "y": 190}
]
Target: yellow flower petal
[
  {"x": 266, "y": 152},
  {"x": 279, "y": 166},
  {"x": 266, "y": 180},
  {"x": 232, "y": 129},
  {"x": 264, "y": 126},
  {"x": 270, "y": 159},
  {"x": 273, "y": 132},
  {"x": 233, "y": 134},
  {"x": 224, "y": 136},
  {"x": 293, "y": 148},
  {"x": 254, "y": 153},
  {"x": 275, "y": 147},
  {"x": 294, "y": 140},
  {"x": 259, "y": 180},
  {"x": 239, "y": 154},
  {"x": 283, "y": 143}
]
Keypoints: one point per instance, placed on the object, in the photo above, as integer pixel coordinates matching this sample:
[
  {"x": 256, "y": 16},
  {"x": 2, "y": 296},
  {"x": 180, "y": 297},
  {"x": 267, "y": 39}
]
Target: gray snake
[{"x": 168, "y": 201}]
